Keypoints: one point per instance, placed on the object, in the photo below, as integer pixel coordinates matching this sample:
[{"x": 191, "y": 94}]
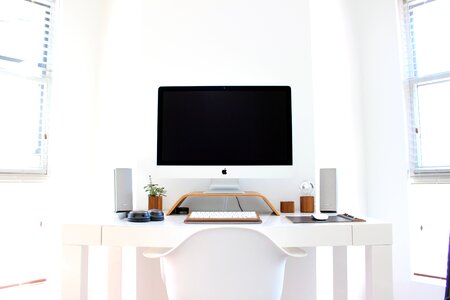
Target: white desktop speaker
[
  {"x": 123, "y": 190},
  {"x": 328, "y": 190}
]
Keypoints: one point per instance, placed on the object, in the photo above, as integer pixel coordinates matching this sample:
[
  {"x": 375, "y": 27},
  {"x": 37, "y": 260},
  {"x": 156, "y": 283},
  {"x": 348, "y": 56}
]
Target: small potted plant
[{"x": 155, "y": 194}]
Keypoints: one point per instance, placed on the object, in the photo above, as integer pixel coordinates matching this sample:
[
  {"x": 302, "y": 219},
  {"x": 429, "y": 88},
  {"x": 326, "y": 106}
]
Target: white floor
[{"x": 37, "y": 291}]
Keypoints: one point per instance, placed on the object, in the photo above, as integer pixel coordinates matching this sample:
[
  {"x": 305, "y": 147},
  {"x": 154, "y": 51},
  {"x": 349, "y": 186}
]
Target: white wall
[
  {"x": 338, "y": 118},
  {"x": 74, "y": 153}
]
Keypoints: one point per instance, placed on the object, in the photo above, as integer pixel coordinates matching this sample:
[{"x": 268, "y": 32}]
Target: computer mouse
[{"x": 319, "y": 217}]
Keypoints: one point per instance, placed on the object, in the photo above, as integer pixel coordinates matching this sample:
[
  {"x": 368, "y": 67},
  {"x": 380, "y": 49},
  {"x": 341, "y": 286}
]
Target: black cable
[{"x": 239, "y": 203}]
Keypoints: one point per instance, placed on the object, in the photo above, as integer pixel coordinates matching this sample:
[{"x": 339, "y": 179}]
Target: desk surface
[{"x": 173, "y": 231}]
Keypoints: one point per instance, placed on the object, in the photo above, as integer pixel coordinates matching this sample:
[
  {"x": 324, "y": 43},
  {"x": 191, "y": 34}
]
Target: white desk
[{"x": 376, "y": 236}]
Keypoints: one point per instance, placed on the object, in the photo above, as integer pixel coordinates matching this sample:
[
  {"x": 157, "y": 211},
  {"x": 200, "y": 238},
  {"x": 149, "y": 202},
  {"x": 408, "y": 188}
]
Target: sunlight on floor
[{"x": 37, "y": 291}]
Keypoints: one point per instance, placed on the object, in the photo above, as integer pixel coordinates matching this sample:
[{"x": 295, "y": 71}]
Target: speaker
[
  {"x": 123, "y": 190},
  {"x": 328, "y": 190}
]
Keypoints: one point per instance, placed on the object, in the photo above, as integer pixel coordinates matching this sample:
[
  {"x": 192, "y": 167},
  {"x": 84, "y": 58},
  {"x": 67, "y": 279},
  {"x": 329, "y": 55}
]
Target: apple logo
[{"x": 224, "y": 171}]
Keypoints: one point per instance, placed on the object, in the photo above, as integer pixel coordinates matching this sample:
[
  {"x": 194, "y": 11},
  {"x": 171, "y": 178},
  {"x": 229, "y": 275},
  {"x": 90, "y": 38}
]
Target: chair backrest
[{"x": 225, "y": 263}]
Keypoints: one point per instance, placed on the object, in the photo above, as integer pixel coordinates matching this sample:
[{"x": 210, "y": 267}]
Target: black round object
[
  {"x": 156, "y": 215},
  {"x": 139, "y": 216},
  {"x": 181, "y": 210}
]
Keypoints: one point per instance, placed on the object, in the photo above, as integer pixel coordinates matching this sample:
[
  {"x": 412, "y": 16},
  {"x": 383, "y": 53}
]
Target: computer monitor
[{"x": 223, "y": 132}]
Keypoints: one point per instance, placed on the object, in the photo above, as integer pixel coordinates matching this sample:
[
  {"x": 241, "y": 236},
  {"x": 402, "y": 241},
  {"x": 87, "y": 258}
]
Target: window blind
[
  {"x": 26, "y": 30},
  {"x": 428, "y": 85}
]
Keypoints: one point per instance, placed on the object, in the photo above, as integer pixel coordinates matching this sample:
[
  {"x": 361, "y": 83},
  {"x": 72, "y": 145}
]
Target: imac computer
[{"x": 224, "y": 133}]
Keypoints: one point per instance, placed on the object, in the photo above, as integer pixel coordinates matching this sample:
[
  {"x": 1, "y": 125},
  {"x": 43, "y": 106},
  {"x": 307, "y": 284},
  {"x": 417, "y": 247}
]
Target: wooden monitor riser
[{"x": 202, "y": 194}]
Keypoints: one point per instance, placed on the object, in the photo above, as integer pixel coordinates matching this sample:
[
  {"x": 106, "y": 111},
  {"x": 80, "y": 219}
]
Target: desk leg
[
  {"x": 75, "y": 276},
  {"x": 379, "y": 280},
  {"x": 115, "y": 273},
  {"x": 340, "y": 273}
]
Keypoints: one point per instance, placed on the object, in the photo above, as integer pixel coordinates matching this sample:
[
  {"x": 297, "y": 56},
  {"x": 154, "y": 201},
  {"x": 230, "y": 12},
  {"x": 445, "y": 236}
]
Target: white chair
[{"x": 229, "y": 263}]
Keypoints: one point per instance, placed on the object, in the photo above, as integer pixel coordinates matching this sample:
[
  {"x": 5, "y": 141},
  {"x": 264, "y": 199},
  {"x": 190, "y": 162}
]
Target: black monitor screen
[{"x": 224, "y": 125}]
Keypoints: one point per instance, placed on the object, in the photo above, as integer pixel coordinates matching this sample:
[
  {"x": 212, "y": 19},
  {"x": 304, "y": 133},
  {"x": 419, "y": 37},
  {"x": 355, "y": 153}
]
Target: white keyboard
[{"x": 223, "y": 217}]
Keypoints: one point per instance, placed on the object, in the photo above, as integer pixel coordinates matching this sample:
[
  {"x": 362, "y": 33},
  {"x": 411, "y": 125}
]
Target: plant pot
[{"x": 155, "y": 202}]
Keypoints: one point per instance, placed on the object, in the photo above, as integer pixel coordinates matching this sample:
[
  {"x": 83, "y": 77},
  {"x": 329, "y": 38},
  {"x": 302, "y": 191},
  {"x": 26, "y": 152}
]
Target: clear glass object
[{"x": 306, "y": 188}]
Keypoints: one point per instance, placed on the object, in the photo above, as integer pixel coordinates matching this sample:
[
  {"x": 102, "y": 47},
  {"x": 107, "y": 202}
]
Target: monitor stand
[{"x": 224, "y": 186}]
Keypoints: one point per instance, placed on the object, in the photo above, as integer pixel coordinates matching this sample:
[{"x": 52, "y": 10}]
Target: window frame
[
  {"x": 41, "y": 75},
  {"x": 418, "y": 173}
]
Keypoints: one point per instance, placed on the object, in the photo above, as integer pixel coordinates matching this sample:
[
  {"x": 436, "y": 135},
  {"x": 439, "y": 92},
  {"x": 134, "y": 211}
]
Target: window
[
  {"x": 427, "y": 28},
  {"x": 25, "y": 31},
  {"x": 428, "y": 45}
]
